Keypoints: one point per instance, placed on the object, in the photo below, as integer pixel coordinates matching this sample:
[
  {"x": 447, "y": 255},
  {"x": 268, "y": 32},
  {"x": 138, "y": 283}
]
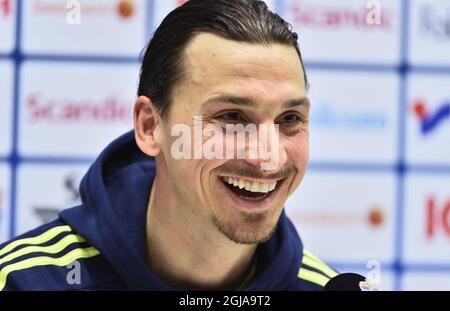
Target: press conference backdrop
[{"x": 378, "y": 185}]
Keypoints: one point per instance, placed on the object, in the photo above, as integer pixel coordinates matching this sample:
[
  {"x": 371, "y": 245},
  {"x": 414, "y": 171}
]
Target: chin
[{"x": 248, "y": 228}]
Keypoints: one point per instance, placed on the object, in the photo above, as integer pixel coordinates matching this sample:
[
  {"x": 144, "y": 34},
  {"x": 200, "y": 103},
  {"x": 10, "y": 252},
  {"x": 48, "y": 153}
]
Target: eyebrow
[{"x": 249, "y": 102}]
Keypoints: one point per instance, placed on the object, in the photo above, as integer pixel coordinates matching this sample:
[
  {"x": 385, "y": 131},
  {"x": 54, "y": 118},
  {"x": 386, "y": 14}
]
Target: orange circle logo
[
  {"x": 376, "y": 217},
  {"x": 126, "y": 8}
]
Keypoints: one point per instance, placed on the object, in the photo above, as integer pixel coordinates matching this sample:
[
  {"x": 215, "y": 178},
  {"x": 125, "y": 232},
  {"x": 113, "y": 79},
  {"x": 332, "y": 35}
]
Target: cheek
[
  {"x": 301, "y": 156},
  {"x": 196, "y": 171},
  {"x": 198, "y": 177},
  {"x": 298, "y": 155},
  {"x": 298, "y": 152}
]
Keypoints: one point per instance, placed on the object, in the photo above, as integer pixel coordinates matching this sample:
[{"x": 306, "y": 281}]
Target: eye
[
  {"x": 291, "y": 119},
  {"x": 231, "y": 117}
]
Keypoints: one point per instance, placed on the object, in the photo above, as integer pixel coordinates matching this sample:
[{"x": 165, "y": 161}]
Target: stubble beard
[{"x": 249, "y": 228}]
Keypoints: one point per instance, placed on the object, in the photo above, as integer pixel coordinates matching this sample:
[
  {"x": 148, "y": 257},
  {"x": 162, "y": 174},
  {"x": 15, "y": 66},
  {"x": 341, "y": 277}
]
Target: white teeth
[
  {"x": 251, "y": 186},
  {"x": 264, "y": 187},
  {"x": 235, "y": 182},
  {"x": 241, "y": 184},
  {"x": 272, "y": 186}
]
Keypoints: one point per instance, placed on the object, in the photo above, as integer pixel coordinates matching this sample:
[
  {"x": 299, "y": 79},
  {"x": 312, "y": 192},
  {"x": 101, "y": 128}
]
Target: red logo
[
  {"x": 5, "y": 7},
  {"x": 181, "y": 2},
  {"x": 109, "y": 110},
  {"x": 437, "y": 218},
  {"x": 430, "y": 121},
  {"x": 320, "y": 16}
]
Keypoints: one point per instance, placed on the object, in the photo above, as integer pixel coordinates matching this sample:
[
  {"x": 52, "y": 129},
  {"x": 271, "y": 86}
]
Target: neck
[{"x": 185, "y": 254}]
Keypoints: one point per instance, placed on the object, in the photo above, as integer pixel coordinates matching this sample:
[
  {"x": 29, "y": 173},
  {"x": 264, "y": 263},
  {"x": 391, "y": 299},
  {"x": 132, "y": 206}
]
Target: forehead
[{"x": 214, "y": 65}]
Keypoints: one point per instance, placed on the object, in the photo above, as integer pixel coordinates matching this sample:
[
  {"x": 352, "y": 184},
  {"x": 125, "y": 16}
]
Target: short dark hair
[{"x": 239, "y": 20}]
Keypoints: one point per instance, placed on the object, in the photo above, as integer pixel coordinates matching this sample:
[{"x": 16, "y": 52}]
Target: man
[{"x": 151, "y": 219}]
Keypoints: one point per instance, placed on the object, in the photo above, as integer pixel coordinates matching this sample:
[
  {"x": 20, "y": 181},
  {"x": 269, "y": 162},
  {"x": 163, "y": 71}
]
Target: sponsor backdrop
[{"x": 376, "y": 198}]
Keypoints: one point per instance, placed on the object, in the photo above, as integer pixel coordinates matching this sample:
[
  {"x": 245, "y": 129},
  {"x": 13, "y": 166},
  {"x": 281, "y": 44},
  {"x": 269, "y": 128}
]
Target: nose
[{"x": 266, "y": 152}]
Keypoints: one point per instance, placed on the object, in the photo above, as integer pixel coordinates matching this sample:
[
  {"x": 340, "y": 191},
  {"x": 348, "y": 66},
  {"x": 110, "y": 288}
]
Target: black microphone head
[{"x": 348, "y": 282}]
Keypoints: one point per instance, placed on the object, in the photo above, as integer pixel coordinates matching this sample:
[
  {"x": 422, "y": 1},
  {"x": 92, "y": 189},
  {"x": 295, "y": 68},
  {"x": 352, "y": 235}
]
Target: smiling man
[{"x": 151, "y": 220}]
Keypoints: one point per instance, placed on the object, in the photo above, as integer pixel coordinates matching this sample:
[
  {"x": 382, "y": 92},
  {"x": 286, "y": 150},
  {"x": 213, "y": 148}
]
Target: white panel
[
  {"x": 71, "y": 109},
  {"x": 430, "y": 145},
  {"x": 344, "y": 216},
  {"x": 40, "y": 202},
  {"x": 429, "y": 32},
  {"x": 7, "y": 25},
  {"x": 4, "y": 202},
  {"x": 346, "y": 30},
  {"x": 115, "y": 28},
  {"x": 427, "y": 219},
  {"x": 6, "y": 105},
  {"x": 354, "y": 116}
]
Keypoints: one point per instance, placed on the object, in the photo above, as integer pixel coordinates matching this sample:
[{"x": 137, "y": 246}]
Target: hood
[{"x": 112, "y": 218}]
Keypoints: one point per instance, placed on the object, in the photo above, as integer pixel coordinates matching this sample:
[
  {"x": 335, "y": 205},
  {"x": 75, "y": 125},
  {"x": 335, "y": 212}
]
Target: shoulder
[
  {"x": 313, "y": 273},
  {"x": 50, "y": 257}
]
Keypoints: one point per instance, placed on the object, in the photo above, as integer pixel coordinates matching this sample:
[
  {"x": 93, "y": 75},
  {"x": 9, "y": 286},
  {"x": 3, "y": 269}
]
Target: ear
[{"x": 146, "y": 123}]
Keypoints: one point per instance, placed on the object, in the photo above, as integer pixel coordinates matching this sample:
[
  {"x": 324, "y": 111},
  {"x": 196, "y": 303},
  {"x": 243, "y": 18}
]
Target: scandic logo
[
  {"x": 429, "y": 122},
  {"x": 320, "y": 16},
  {"x": 110, "y": 109},
  {"x": 5, "y": 7}
]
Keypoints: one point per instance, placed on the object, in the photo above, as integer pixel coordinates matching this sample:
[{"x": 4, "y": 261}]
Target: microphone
[{"x": 349, "y": 282}]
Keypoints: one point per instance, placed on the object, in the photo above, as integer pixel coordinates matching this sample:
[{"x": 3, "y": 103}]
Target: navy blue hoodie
[{"x": 101, "y": 244}]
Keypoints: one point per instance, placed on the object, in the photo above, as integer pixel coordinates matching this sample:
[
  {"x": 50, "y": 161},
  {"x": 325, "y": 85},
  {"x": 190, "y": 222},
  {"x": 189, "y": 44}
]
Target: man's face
[{"x": 228, "y": 83}]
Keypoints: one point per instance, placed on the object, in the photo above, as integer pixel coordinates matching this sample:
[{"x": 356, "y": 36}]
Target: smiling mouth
[{"x": 250, "y": 190}]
